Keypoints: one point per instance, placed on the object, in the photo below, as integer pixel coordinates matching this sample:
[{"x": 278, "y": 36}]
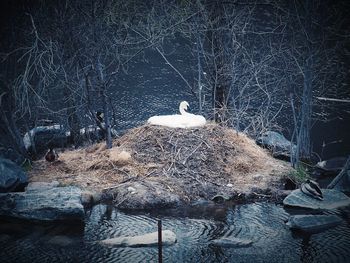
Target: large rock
[
  {"x": 11, "y": 154},
  {"x": 150, "y": 239},
  {"x": 277, "y": 143},
  {"x": 331, "y": 199},
  {"x": 42, "y": 137},
  {"x": 142, "y": 195},
  {"x": 44, "y": 204},
  {"x": 313, "y": 223},
  {"x": 12, "y": 177},
  {"x": 231, "y": 242},
  {"x": 41, "y": 186}
]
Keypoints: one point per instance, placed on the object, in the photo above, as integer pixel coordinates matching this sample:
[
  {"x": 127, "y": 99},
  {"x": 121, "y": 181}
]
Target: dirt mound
[{"x": 193, "y": 163}]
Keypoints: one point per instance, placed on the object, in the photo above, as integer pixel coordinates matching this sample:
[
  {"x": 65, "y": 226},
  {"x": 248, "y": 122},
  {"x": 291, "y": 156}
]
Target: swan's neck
[{"x": 183, "y": 111}]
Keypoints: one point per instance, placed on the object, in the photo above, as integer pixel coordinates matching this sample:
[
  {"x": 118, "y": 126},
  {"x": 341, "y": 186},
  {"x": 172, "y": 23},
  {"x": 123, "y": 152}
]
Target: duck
[
  {"x": 99, "y": 116},
  {"x": 312, "y": 189},
  {"x": 182, "y": 120},
  {"x": 51, "y": 155}
]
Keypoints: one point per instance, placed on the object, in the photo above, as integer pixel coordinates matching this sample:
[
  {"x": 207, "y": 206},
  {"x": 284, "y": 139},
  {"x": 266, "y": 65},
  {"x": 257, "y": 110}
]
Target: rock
[
  {"x": 231, "y": 242},
  {"x": 39, "y": 186},
  {"x": 275, "y": 142},
  {"x": 41, "y": 137},
  {"x": 142, "y": 195},
  {"x": 12, "y": 177},
  {"x": 331, "y": 199},
  {"x": 151, "y": 239},
  {"x": 313, "y": 223},
  {"x": 56, "y": 203},
  {"x": 333, "y": 165},
  {"x": 11, "y": 154}
]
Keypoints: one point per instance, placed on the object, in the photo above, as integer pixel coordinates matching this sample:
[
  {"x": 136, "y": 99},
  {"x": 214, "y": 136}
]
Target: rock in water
[
  {"x": 57, "y": 203},
  {"x": 12, "y": 176},
  {"x": 313, "y": 223},
  {"x": 331, "y": 199},
  {"x": 231, "y": 242},
  {"x": 150, "y": 239},
  {"x": 333, "y": 165}
]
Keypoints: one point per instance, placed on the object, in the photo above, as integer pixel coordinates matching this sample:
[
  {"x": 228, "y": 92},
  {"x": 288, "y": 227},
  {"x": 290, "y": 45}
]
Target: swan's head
[{"x": 184, "y": 107}]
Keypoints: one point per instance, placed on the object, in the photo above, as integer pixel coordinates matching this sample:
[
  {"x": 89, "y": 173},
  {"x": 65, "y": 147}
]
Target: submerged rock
[
  {"x": 313, "y": 223},
  {"x": 12, "y": 177},
  {"x": 333, "y": 165},
  {"x": 150, "y": 239},
  {"x": 231, "y": 242},
  {"x": 50, "y": 204},
  {"x": 60, "y": 240},
  {"x": 331, "y": 199},
  {"x": 142, "y": 195}
]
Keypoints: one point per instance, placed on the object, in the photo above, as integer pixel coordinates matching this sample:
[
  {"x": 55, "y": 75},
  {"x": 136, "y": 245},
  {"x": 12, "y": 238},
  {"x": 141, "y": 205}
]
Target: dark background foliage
[{"x": 251, "y": 65}]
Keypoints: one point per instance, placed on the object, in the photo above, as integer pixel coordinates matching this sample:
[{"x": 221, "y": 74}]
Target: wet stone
[
  {"x": 313, "y": 223},
  {"x": 332, "y": 199}
]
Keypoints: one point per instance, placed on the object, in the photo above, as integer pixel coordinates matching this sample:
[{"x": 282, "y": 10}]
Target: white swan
[{"x": 185, "y": 120}]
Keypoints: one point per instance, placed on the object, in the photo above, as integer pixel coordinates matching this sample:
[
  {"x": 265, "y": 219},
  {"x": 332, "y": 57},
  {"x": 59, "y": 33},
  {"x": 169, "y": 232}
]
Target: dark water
[{"x": 262, "y": 223}]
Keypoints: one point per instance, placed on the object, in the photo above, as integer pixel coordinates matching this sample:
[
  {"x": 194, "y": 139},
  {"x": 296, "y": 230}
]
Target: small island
[{"x": 158, "y": 167}]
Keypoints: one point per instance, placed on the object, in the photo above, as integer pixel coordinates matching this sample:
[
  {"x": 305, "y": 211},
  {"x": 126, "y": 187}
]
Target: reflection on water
[{"x": 195, "y": 227}]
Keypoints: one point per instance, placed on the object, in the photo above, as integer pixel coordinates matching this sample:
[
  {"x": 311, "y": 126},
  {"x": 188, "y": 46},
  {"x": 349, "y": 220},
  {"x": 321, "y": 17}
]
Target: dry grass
[{"x": 191, "y": 162}]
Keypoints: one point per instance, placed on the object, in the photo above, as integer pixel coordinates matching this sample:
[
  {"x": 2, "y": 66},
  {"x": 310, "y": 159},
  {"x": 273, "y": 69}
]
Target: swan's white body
[{"x": 184, "y": 120}]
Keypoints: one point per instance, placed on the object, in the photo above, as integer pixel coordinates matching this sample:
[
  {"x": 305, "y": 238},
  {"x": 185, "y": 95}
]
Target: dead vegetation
[{"x": 193, "y": 163}]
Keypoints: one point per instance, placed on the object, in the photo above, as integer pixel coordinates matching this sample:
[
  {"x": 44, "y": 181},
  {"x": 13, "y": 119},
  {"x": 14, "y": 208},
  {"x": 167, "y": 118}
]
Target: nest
[{"x": 194, "y": 163}]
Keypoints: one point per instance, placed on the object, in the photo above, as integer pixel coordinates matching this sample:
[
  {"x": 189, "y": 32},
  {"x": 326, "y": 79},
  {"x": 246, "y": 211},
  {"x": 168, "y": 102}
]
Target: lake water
[{"x": 263, "y": 223}]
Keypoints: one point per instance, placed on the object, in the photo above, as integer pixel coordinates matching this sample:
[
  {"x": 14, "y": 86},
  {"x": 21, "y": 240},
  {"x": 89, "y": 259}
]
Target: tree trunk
[
  {"x": 219, "y": 41},
  {"x": 14, "y": 138},
  {"x": 73, "y": 120},
  {"x": 303, "y": 139},
  {"x": 103, "y": 89}
]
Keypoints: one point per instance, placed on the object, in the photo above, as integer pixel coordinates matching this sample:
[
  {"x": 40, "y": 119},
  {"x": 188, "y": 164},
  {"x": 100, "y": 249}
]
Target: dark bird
[
  {"x": 51, "y": 155},
  {"x": 99, "y": 116},
  {"x": 312, "y": 189}
]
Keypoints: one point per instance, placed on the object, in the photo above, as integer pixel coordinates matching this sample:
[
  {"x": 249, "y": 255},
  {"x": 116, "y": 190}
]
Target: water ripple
[{"x": 262, "y": 223}]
